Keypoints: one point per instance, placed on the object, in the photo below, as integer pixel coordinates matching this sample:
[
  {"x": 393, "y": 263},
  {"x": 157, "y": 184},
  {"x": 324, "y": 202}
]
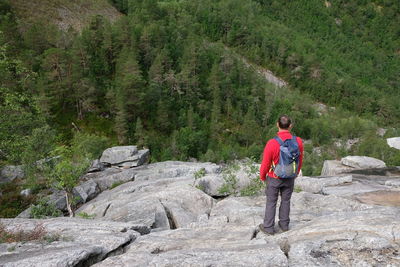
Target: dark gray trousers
[{"x": 275, "y": 187}]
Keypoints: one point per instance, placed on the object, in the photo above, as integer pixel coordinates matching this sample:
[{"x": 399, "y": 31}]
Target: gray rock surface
[
  {"x": 394, "y": 142},
  {"x": 227, "y": 245},
  {"x": 96, "y": 166},
  {"x": 10, "y": 173},
  {"x": 124, "y": 156},
  {"x": 381, "y": 131},
  {"x": 341, "y": 220},
  {"x": 26, "y": 192},
  {"x": 334, "y": 167},
  {"x": 358, "y": 238},
  {"x": 80, "y": 242},
  {"x": 362, "y": 162},
  {"x": 160, "y": 204},
  {"x": 86, "y": 191},
  {"x": 317, "y": 184}
]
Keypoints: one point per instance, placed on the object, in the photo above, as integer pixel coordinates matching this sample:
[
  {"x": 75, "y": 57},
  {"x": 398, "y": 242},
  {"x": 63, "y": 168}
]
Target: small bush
[
  {"x": 115, "y": 184},
  {"x": 255, "y": 187},
  {"x": 85, "y": 215},
  {"x": 38, "y": 233},
  {"x": 200, "y": 173},
  {"x": 297, "y": 189},
  {"x": 45, "y": 209}
]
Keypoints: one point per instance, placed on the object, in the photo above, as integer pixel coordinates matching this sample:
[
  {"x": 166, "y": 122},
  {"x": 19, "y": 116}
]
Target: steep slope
[{"x": 64, "y": 14}]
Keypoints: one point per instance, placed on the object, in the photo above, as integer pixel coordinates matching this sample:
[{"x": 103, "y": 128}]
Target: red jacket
[{"x": 271, "y": 153}]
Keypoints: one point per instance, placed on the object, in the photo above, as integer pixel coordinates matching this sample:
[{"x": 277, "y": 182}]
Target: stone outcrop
[
  {"x": 362, "y": 162},
  {"x": 318, "y": 184},
  {"x": 124, "y": 156},
  {"x": 227, "y": 245},
  {"x": 394, "y": 142},
  {"x": 161, "y": 216},
  {"x": 167, "y": 199},
  {"x": 350, "y": 164},
  {"x": 334, "y": 167},
  {"x": 77, "y": 242}
]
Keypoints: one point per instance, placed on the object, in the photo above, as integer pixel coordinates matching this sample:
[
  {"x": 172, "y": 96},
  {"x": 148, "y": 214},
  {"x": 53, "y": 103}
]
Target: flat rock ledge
[{"x": 81, "y": 242}]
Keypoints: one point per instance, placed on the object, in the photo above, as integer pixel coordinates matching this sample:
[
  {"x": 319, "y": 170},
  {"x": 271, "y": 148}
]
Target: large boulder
[
  {"x": 334, "y": 167},
  {"x": 362, "y": 162},
  {"x": 394, "y": 142},
  {"x": 10, "y": 173},
  {"x": 162, "y": 203},
  {"x": 86, "y": 191},
  {"x": 70, "y": 242},
  {"x": 125, "y": 156}
]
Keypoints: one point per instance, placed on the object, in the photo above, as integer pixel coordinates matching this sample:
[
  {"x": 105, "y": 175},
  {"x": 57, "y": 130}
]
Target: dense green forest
[{"x": 169, "y": 75}]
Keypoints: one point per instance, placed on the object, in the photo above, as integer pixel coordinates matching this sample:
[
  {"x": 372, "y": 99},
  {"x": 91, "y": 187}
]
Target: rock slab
[
  {"x": 394, "y": 142},
  {"x": 124, "y": 156},
  {"x": 362, "y": 162}
]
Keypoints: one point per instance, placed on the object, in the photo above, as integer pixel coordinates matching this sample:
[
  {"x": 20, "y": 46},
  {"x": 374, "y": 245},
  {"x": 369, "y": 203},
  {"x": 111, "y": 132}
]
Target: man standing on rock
[{"x": 282, "y": 160}]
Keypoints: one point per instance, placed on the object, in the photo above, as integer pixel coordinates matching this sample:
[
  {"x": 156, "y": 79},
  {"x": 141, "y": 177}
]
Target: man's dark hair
[{"x": 284, "y": 122}]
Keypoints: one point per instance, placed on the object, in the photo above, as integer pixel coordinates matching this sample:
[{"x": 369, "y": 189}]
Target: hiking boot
[
  {"x": 261, "y": 227},
  {"x": 283, "y": 229}
]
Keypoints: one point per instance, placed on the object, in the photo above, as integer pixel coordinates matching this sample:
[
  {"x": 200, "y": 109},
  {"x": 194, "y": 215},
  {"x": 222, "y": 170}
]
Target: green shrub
[
  {"x": 11, "y": 202},
  {"x": 200, "y": 173},
  {"x": 297, "y": 189},
  {"x": 85, "y": 215},
  {"x": 230, "y": 180},
  {"x": 115, "y": 184},
  {"x": 44, "y": 208},
  {"x": 254, "y": 188}
]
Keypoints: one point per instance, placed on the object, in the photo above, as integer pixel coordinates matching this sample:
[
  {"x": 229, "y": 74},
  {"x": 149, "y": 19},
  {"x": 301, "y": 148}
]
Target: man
[{"x": 278, "y": 185}]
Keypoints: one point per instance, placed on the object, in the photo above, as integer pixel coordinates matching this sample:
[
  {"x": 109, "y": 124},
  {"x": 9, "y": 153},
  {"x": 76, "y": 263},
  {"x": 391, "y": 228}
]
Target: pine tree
[
  {"x": 216, "y": 124},
  {"x": 129, "y": 93},
  {"x": 140, "y": 134}
]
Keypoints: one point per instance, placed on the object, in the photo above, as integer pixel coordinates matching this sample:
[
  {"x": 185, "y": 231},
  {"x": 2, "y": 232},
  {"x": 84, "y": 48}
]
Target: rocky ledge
[{"x": 191, "y": 214}]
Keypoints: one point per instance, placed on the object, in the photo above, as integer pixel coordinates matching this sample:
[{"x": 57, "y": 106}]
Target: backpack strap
[
  {"x": 294, "y": 138},
  {"x": 279, "y": 140}
]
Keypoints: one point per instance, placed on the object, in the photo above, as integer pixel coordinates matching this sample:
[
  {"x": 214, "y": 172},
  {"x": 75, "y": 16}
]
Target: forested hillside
[{"x": 169, "y": 75}]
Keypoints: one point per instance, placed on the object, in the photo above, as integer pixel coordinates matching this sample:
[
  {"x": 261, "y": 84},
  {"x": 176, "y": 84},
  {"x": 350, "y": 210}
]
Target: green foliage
[
  {"x": 377, "y": 147},
  {"x": 89, "y": 145},
  {"x": 230, "y": 180},
  {"x": 201, "y": 187},
  {"x": 254, "y": 188},
  {"x": 200, "y": 173},
  {"x": 66, "y": 174},
  {"x": 11, "y": 202},
  {"x": 43, "y": 208},
  {"x": 85, "y": 215},
  {"x": 256, "y": 185},
  {"x": 182, "y": 78},
  {"x": 297, "y": 189},
  {"x": 35, "y": 157},
  {"x": 115, "y": 184}
]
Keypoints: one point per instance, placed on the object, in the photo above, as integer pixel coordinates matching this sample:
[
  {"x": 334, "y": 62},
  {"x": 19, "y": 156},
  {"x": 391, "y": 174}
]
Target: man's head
[{"x": 284, "y": 123}]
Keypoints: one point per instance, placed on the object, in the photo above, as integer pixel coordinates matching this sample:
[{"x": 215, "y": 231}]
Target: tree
[
  {"x": 140, "y": 134},
  {"x": 65, "y": 176},
  {"x": 129, "y": 94}
]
